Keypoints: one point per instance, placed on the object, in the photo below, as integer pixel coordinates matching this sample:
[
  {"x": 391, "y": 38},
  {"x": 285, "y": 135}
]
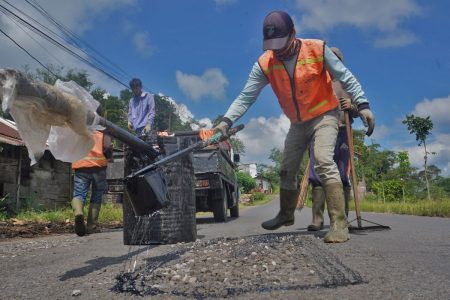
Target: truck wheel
[
  {"x": 220, "y": 208},
  {"x": 234, "y": 211}
]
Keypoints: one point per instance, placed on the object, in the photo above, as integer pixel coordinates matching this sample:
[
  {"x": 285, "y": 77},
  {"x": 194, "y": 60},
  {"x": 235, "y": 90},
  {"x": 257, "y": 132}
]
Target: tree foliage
[
  {"x": 245, "y": 181},
  {"x": 421, "y": 127}
]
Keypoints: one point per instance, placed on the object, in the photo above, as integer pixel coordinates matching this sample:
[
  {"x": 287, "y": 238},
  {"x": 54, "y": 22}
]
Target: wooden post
[
  {"x": 353, "y": 169},
  {"x": 303, "y": 187},
  {"x": 19, "y": 175}
]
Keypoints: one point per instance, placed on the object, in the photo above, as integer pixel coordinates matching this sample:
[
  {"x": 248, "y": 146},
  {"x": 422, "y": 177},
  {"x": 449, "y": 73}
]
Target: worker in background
[
  {"x": 91, "y": 171},
  {"x": 299, "y": 72},
  {"x": 341, "y": 156},
  {"x": 141, "y": 109}
]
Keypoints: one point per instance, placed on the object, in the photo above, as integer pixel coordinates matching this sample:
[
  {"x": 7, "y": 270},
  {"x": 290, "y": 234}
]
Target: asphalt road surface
[{"x": 411, "y": 261}]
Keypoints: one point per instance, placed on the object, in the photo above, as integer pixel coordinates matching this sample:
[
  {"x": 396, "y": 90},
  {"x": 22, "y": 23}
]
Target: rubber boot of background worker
[
  {"x": 285, "y": 217},
  {"x": 92, "y": 219},
  {"x": 318, "y": 207},
  {"x": 77, "y": 206},
  {"x": 334, "y": 195},
  {"x": 347, "y": 193}
]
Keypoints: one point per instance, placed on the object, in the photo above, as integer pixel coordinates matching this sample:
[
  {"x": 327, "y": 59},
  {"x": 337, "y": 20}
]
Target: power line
[
  {"x": 75, "y": 38},
  {"x": 29, "y": 54},
  {"x": 6, "y": 11}
]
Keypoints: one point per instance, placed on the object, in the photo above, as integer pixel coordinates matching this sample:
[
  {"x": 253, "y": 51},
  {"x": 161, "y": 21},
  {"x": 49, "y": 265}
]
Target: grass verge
[{"x": 108, "y": 214}]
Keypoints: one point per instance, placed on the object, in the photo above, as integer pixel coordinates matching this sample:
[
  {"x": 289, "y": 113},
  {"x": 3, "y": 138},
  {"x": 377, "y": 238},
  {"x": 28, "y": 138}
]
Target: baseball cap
[{"x": 276, "y": 29}]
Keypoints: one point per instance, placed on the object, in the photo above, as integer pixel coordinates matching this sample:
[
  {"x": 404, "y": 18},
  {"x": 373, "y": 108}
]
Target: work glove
[
  {"x": 346, "y": 103},
  {"x": 147, "y": 128},
  {"x": 368, "y": 120},
  {"x": 223, "y": 128},
  {"x": 130, "y": 126}
]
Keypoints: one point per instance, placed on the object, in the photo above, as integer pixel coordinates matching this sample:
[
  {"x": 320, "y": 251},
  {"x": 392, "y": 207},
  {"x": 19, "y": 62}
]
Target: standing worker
[
  {"x": 341, "y": 156},
  {"x": 91, "y": 170},
  {"x": 141, "y": 109},
  {"x": 299, "y": 72}
]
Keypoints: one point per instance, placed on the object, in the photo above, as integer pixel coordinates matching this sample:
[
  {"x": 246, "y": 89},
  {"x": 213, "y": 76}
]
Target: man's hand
[
  {"x": 147, "y": 128},
  {"x": 368, "y": 119},
  {"x": 346, "y": 103},
  {"x": 130, "y": 126},
  {"x": 223, "y": 128}
]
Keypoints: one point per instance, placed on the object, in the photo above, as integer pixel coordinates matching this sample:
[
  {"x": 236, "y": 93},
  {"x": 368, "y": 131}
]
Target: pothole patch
[{"x": 229, "y": 267}]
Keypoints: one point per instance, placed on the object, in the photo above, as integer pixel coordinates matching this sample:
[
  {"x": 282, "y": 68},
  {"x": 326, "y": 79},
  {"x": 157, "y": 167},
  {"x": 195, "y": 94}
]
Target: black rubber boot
[
  {"x": 285, "y": 217},
  {"x": 338, "y": 222},
  {"x": 92, "y": 219},
  {"x": 318, "y": 206},
  {"x": 347, "y": 193},
  {"x": 77, "y": 206}
]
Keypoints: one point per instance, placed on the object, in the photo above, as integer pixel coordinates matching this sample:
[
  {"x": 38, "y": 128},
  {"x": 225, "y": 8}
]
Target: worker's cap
[
  {"x": 338, "y": 53},
  {"x": 277, "y": 27}
]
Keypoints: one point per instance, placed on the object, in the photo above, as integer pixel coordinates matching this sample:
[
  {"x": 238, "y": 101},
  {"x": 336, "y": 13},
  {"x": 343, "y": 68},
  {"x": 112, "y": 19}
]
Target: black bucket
[{"x": 147, "y": 192}]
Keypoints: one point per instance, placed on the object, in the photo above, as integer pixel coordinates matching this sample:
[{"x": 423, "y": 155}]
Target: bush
[
  {"x": 392, "y": 189},
  {"x": 246, "y": 182},
  {"x": 255, "y": 197}
]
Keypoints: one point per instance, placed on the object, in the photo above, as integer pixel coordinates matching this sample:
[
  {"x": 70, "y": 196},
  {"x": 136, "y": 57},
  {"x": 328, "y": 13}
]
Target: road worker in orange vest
[
  {"x": 300, "y": 72},
  {"x": 91, "y": 171}
]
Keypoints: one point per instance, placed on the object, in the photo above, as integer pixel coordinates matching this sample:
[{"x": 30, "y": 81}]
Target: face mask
[{"x": 288, "y": 51}]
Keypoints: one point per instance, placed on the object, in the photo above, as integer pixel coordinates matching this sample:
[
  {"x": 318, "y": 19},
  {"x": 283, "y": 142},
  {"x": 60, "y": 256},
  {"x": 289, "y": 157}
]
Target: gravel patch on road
[{"x": 229, "y": 267}]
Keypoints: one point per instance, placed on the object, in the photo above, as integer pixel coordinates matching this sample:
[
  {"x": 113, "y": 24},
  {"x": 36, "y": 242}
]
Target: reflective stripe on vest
[
  {"x": 310, "y": 93},
  {"x": 95, "y": 158}
]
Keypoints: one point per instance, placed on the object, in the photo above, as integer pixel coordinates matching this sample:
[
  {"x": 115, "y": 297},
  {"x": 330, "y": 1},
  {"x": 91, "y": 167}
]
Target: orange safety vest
[
  {"x": 95, "y": 158},
  {"x": 310, "y": 93}
]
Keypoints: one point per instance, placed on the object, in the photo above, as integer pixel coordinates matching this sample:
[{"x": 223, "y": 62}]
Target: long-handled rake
[{"x": 356, "y": 195}]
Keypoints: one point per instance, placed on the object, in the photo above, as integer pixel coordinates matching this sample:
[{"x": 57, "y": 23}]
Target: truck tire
[
  {"x": 220, "y": 207},
  {"x": 234, "y": 211}
]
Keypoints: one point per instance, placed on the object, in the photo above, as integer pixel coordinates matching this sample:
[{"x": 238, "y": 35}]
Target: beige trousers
[{"x": 323, "y": 132}]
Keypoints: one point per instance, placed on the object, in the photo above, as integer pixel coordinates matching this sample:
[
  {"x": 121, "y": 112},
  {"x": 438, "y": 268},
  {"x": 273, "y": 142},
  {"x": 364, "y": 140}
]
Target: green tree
[
  {"x": 421, "y": 127},
  {"x": 246, "y": 182},
  {"x": 166, "y": 117}
]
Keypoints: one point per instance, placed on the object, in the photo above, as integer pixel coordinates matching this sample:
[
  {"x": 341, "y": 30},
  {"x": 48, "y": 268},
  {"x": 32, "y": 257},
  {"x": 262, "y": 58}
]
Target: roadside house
[
  {"x": 46, "y": 185},
  {"x": 263, "y": 185}
]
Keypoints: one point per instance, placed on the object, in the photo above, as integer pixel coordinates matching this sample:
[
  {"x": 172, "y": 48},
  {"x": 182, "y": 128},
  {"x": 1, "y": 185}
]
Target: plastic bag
[{"x": 54, "y": 113}]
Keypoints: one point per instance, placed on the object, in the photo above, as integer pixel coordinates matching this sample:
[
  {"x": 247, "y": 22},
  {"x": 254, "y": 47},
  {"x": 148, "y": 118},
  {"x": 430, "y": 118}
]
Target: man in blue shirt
[{"x": 141, "y": 109}]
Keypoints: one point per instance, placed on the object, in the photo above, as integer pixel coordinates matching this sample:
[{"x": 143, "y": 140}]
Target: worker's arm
[
  {"x": 255, "y": 83},
  {"x": 349, "y": 83},
  {"x": 151, "y": 109}
]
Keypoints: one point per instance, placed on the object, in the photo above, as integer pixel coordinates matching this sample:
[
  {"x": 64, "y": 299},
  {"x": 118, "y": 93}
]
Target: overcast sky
[{"x": 200, "y": 53}]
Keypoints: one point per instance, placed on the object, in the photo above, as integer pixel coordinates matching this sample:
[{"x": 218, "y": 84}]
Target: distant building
[
  {"x": 250, "y": 169},
  {"x": 45, "y": 185},
  {"x": 263, "y": 185}
]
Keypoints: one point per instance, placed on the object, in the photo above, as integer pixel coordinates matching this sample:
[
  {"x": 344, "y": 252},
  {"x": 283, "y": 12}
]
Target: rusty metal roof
[{"x": 9, "y": 134}]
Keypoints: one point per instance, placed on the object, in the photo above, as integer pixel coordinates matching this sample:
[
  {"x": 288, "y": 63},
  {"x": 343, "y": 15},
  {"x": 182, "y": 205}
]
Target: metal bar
[
  {"x": 199, "y": 145},
  {"x": 124, "y": 136}
]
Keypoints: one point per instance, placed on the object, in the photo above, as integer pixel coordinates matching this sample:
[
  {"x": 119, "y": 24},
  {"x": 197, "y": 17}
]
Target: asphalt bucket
[{"x": 147, "y": 193}]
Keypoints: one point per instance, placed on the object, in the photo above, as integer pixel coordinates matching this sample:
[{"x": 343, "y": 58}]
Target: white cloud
[
  {"x": 440, "y": 145},
  {"x": 142, "y": 43},
  {"x": 384, "y": 17},
  {"x": 224, "y": 2},
  {"x": 262, "y": 134},
  {"x": 380, "y": 132},
  {"x": 211, "y": 84},
  {"x": 437, "y": 109}
]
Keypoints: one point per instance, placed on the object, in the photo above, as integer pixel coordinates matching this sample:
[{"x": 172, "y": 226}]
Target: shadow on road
[
  {"x": 99, "y": 263},
  {"x": 210, "y": 220}
]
